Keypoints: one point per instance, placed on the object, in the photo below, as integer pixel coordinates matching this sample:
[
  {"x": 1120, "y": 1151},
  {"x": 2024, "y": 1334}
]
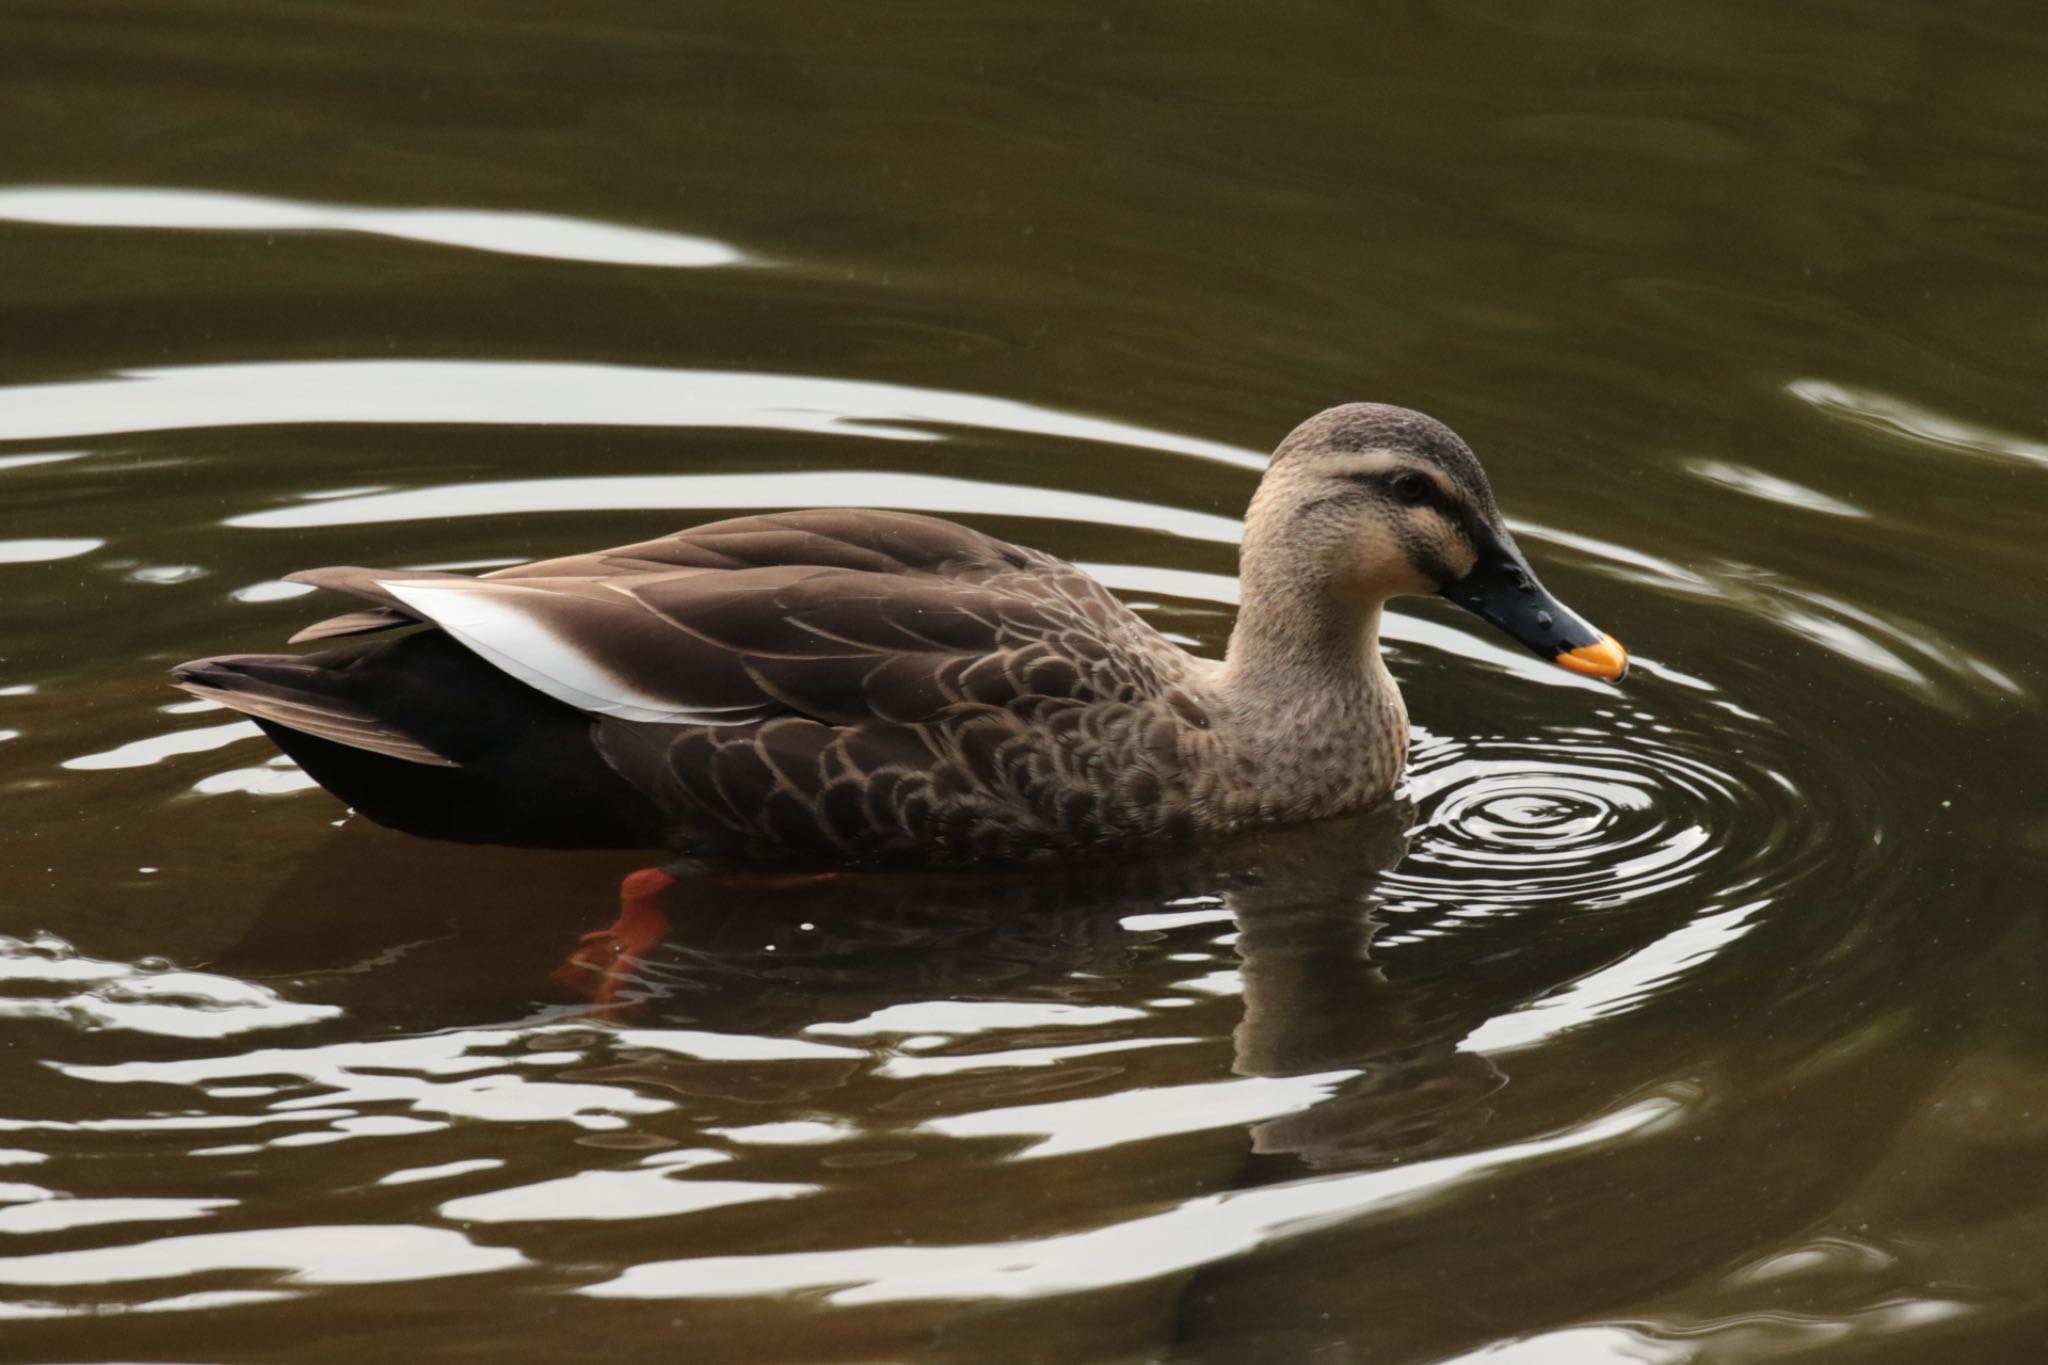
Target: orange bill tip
[{"x": 1606, "y": 659}]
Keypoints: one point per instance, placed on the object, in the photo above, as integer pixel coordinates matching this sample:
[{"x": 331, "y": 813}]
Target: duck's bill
[{"x": 1502, "y": 590}]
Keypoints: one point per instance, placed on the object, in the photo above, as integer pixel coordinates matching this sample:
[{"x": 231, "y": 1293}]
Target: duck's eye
[{"x": 1411, "y": 488}]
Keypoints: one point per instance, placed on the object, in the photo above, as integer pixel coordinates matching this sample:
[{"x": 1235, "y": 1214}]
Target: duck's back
[{"x": 831, "y": 685}]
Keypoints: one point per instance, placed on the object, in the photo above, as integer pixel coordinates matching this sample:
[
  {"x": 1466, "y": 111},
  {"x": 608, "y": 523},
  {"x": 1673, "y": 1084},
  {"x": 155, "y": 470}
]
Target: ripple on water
[
  {"x": 1571, "y": 817},
  {"x": 516, "y": 234},
  {"x": 1192, "y": 1233},
  {"x": 342, "y": 1254},
  {"x": 399, "y": 1086},
  {"x": 44, "y": 977},
  {"x": 1701, "y": 829},
  {"x": 1911, "y": 422},
  {"x": 513, "y": 393},
  {"x": 1600, "y": 817}
]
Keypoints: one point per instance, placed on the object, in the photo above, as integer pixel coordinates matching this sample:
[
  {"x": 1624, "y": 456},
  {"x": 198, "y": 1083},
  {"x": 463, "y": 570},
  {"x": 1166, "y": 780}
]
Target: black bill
[{"x": 1501, "y": 589}]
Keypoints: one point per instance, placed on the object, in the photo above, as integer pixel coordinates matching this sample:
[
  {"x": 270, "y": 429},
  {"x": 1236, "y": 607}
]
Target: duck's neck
[
  {"x": 1299, "y": 644},
  {"x": 1309, "y": 698}
]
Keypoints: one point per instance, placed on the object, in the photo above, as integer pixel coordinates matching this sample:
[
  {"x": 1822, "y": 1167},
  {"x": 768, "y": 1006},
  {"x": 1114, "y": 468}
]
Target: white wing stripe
[{"x": 498, "y": 631}]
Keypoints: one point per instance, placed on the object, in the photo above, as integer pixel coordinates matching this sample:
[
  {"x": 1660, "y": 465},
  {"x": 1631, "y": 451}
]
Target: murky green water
[{"x": 1698, "y": 1021}]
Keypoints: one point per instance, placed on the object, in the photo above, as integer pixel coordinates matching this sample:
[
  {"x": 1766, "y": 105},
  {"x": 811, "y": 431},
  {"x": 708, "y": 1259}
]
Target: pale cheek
[
  {"x": 1379, "y": 568},
  {"x": 1458, "y": 557}
]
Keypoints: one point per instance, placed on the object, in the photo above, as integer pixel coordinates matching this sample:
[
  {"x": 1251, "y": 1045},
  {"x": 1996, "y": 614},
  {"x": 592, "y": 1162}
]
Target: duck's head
[{"x": 1387, "y": 502}]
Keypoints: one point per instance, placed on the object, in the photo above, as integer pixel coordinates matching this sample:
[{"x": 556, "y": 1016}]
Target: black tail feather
[{"x": 419, "y": 734}]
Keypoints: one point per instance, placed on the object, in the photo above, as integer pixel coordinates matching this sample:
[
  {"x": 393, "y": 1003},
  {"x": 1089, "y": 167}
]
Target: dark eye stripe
[{"x": 1383, "y": 482}]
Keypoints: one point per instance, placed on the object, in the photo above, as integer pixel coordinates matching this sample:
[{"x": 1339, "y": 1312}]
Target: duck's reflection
[
  {"x": 410, "y": 935},
  {"x": 1100, "y": 1008}
]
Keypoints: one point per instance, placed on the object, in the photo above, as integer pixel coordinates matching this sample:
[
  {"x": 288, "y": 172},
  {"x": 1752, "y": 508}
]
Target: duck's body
[
  {"x": 850, "y": 687},
  {"x": 825, "y": 686}
]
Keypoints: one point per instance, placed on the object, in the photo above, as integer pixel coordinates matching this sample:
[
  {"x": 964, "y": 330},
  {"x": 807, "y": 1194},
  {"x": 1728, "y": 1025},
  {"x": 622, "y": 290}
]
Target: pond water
[{"x": 1698, "y": 1020}]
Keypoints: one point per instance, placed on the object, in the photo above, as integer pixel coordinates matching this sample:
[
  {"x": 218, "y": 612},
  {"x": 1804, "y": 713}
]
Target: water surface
[{"x": 1691, "y": 1021}]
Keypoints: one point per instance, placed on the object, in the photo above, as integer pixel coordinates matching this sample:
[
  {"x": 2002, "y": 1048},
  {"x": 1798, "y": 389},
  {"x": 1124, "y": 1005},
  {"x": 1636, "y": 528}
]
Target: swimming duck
[{"x": 843, "y": 687}]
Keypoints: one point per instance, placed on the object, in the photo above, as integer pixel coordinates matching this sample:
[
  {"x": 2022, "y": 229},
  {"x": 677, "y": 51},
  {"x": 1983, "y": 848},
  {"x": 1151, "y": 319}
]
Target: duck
[{"x": 797, "y": 694}]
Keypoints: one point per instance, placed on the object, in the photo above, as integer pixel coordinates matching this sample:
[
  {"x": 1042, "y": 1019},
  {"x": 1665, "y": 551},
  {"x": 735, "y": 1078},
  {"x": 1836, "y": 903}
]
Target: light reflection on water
[
  {"x": 517, "y": 234},
  {"x": 1613, "y": 989},
  {"x": 45, "y": 978},
  {"x": 1195, "y": 1232},
  {"x": 1663, "y": 1023},
  {"x": 903, "y": 492},
  {"x": 307, "y": 1255},
  {"x": 1914, "y": 424},
  {"x": 42, "y": 551},
  {"x": 534, "y": 393}
]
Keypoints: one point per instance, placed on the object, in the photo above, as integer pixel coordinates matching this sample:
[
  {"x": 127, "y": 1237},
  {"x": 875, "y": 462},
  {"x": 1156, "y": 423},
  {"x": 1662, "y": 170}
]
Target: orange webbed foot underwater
[{"x": 604, "y": 961}]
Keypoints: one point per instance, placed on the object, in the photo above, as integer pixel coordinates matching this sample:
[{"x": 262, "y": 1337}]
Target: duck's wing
[
  {"x": 877, "y": 542},
  {"x": 910, "y": 620}
]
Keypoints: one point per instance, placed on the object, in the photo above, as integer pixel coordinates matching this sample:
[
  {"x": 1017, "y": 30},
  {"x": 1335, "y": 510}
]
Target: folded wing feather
[
  {"x": 837, "y": 616},
  {"x": 841, "y": 538},
  {"x": 575, "y": 642}
]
